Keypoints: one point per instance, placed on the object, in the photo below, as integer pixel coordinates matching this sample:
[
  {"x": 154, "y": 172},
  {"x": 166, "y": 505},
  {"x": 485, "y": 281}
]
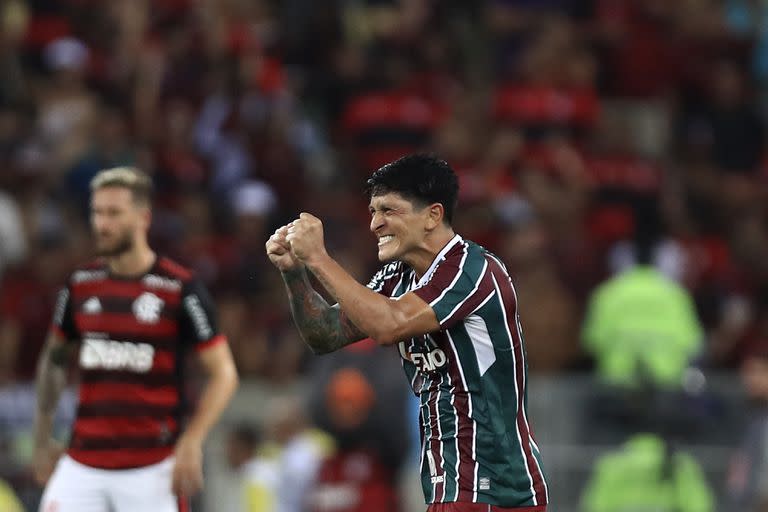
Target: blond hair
[{"x": 135, "y": 180}]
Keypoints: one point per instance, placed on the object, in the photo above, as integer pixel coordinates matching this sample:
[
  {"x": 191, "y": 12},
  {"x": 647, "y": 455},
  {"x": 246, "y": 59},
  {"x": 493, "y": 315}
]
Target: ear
[
  {"x": 435, "y": 215},
  {"x": 146, "y": 217}
]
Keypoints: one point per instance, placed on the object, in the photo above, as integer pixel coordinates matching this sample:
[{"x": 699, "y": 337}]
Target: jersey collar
[{"x": 440, "y": 257}]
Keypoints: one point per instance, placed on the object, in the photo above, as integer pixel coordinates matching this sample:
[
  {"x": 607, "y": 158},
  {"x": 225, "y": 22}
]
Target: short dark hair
[{"x": 421, "y": 178}]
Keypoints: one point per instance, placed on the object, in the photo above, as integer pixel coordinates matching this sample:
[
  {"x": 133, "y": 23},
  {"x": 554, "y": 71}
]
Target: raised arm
[
  {"x": 386, "y": 320},
  {"x": 322, "y": 326}
]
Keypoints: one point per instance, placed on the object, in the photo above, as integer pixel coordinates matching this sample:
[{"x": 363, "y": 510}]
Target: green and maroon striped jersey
[{"x": 471, "y": 377}]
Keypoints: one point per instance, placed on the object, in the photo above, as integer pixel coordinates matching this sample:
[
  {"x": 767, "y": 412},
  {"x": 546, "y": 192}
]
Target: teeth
[{"x": 385, "y": 239}]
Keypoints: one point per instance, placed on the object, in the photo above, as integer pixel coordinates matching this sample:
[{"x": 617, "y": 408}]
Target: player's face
[
  {"x": 397, "y": 224},
  {"x": 115, "y": 220}
]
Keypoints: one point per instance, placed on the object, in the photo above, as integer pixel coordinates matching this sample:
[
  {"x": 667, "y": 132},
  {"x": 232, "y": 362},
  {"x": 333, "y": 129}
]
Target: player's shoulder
[
  {"x": 462, "y": 249},
  {"x": 475, "y": 260},
  {"x": 166, "y": 267},
  {"x": 93, "y": 270}
]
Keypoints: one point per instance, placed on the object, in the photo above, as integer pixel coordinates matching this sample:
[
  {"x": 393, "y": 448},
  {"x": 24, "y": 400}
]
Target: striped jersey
[
  {"x": 133, "y": 334},
  {"x": 470, "y": 376}
]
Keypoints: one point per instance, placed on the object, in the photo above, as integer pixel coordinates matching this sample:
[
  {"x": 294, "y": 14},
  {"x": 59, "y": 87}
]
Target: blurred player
[
  {"x": 450, "y": 307},
  {"x": 132, "y": 315}
]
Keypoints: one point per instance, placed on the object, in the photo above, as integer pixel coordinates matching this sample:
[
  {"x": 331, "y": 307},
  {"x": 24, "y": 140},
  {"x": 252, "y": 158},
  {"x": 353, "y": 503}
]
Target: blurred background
[{"x": 612, "y": 152}]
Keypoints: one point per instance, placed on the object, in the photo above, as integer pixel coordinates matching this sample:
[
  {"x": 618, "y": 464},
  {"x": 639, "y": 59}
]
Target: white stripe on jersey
[
  {"x": 440, "y": 435},
  {"x": 474, "y": 424},
  {"x": 455, "y": 279},
  {"x": 481, "y": 342},
  {"x": 423, "y": 440},
  {"x": 440, "y": 256},
  {"x": 470, "y": 294},
  {"x": 397, "y": 285},
  {"x": 456, "y": 437}
]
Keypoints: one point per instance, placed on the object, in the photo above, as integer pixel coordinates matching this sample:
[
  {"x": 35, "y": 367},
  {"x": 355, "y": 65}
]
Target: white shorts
[{"x": 75, "y": 487}]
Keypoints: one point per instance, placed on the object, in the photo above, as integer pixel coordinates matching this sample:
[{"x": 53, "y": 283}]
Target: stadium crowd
[{"x": 585, "y": 134}]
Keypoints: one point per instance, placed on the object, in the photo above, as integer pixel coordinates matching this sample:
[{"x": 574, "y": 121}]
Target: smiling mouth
[{"x": 385, "y": 239}]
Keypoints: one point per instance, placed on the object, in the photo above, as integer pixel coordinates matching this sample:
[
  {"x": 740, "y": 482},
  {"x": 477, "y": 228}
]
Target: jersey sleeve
[
  {"x": 457, "y": 286},
  {"x": 63, "y": 321},
  {"x": 198, "y": 326}
]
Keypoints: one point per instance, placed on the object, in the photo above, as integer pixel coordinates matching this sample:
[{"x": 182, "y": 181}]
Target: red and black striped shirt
[{"x": 134, "y": 333}]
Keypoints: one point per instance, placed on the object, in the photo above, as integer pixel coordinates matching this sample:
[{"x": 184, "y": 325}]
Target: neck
[
  {"x": 134, "y": 262},
  {"x": 421, "y": 259}
]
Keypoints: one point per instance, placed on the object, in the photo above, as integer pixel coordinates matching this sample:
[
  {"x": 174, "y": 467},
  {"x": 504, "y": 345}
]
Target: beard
[{"x": 120, "y": 246}]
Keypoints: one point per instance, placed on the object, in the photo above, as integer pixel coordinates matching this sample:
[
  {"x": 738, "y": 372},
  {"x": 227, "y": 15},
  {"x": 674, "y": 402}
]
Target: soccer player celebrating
[
  {"x": 450, "y": 307},
  {"x": 133, "y": 315}
]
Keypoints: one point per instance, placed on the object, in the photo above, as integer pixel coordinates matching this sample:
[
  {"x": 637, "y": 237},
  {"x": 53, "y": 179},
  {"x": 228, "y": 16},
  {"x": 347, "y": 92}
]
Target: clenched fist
[
  {"x": 279, "y": 251},
  {"x": 305, "y": 237}
]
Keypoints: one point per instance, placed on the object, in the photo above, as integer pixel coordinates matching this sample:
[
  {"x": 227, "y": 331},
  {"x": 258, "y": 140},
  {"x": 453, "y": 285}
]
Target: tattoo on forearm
[{"x": 322, "y": 326}]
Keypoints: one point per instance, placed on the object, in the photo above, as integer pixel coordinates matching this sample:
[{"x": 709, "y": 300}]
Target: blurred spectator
[
  {"x": 25, "y": 306},
  {"x": 641, "y": 327},
  {"x": 384, "y": 424},
  {"x": 747, "y": 484},
  {"x": 109, "y": 148},
  {"x": 253, "y": 206},
  {"x": 67, "y": 107},
  {"x": 241, "y": 452},
  {"x": 8, "y": 500},
  {"x": 550, "y": 310},
  {"x": 242, "y": 442},
  {"x": 725, "y": 124},
  {"x": 222, "y": 144},
  {"x": 281, "y": 474},
  {"x": 248, "y": 112},
  {"x": 356, "y": 477},
  {"x": 647, "y": 473},
  {"x": 13, "y": 242},
  {"x": 17, "y": 409}
]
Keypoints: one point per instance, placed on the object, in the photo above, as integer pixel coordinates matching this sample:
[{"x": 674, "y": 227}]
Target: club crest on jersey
[{"x": 147, "y": 308}]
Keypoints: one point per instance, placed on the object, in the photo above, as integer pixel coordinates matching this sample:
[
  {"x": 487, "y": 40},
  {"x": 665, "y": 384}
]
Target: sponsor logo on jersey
[
  {"x": 80, "y": 276},
  {"x": 198, "y": 316},
  {"x": 434, "y": 477},
  {"x": 116, "y": 355},
  {"x": 484, "y": 483},
  {"x": 426, "y": 361},
  {"x": 147, "y": 308},
  {"x": 92, "y": 306},
  {"x": 164, "y": 283}
]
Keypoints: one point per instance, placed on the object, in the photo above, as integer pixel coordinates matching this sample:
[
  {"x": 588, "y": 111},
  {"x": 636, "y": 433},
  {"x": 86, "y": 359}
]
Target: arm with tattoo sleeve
[{"x": 324, "y": 328}]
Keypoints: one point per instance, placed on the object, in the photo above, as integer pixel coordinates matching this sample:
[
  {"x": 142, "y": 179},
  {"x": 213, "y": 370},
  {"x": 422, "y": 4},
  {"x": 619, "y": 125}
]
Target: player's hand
[
  {"x": 188, "y": 468},
  {"x": 279, "y": 251},
  {"x": 305, "y": 235},
  {"x": 44, "y": 460}
]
